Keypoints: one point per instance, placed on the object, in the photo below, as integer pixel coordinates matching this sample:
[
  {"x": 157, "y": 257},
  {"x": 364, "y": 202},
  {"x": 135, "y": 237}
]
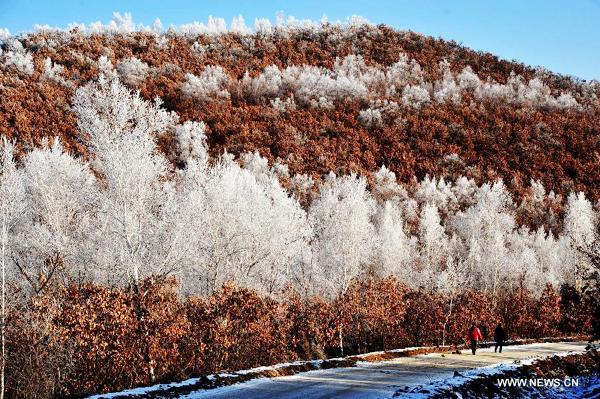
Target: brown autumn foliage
[
  {"x": 576, "y": 311},
  {"x": 85, "y": 339},
  {"x": 371, "y": 313},
  {"x": 560, "y": 148},
  {"x": 469, "y": 307},
  {"x": 312, "y": 326},
  {"x": 39, "y": 361},
  {"x": 79, "y": 340},
  {"x": 122, "y": 339},
  {"x": 238, "y": 328}
]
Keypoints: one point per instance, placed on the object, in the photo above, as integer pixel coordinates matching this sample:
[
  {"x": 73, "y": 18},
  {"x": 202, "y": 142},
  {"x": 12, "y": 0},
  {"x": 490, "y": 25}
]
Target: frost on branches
[
  {"x": 130, "y": 214},
  {"x": 123, "y": 238}
]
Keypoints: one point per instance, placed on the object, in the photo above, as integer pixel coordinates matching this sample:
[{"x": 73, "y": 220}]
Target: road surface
[{"x": 381, "y": 379}]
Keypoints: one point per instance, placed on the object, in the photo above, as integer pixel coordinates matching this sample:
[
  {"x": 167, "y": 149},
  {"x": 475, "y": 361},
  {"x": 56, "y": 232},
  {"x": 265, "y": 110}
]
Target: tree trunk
[
  {"x": 341, "y": 339},
  {"x": 3, "y": 328},
  {"x": 446, "y": 322}
]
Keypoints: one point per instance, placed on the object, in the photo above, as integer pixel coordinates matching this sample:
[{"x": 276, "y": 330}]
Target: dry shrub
[
  {"x": 312, "y": 327},
  {"x": 469, "y": 307},
  {"x": 78, "y": 340},
  {"x": 492, "y": 140},
  {"x": 577, "y": 314},
  {"x": 39, "y": 360},
  {"x": 371, "y": 314},
  {"x": 547, "y": 314},
  {"x": 123, "y": 338},
  {"x": 239, "y": 329}
]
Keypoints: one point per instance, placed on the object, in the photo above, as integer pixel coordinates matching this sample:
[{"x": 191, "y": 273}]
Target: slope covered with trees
[
  {"x": 365, "y": 188},
  {"x": 322, "y": 97}
]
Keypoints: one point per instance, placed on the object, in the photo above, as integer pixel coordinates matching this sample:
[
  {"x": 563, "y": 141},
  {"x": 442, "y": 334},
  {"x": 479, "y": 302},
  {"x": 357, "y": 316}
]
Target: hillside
[
  {"x": 451, "y": 111},
  {"x": 186, "y": 201}
]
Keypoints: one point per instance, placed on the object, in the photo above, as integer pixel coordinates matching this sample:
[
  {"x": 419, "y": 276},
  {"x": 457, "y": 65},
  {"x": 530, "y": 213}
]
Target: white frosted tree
[
  {"x": 415, "y": 96},
  {"x": 580, "y": 220},
  {"x": 23, "y": 61},
  {"x": 211, "y": 84},
  {"x": 451, "y": 281},
  {"x": 433, "y": 244},
  {"x": 395, "y": 252},
  {"x": 189, "y": 142},
  {"x": 484, "y": 229},
  {"x": 11, "y": 209},
  {"x": 447, "y": 90},
  {"x": 384, "y": 187},
  {"x": 61, "y": 199},
  {"x": 343, "y": 233},
  {"x": 464, "y": 191},
  {"x": 436, "y": 192},
  {"x": 580, "y": 226},
  {"x": 251, "y": 230},
  {"x": 132, "y": 71},
  {"x": 134, "y": 239},
  {"x": 468, "y": 80}
]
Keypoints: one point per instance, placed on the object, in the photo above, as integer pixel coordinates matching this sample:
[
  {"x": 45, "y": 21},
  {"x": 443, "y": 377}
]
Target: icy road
[{"x": 380, "y": 380}]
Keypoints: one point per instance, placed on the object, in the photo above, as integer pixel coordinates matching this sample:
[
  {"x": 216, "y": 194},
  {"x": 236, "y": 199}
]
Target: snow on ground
[
  {"x": 192, "y": 381},
  {"x": 373, "y": 379},
  {"x": 589, "y": 387},
  {"x": 480, "y": 372}
]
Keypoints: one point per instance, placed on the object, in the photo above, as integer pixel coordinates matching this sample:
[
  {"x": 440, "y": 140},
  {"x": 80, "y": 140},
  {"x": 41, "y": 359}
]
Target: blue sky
[{"x": 563, "y": 36}]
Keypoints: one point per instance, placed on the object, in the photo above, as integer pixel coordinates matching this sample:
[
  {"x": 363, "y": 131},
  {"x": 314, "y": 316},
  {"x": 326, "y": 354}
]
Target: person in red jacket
[{"x": 474, "y": 336}]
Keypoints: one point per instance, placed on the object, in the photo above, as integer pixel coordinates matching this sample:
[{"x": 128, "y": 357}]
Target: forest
[{"x": 176, "y": 202}]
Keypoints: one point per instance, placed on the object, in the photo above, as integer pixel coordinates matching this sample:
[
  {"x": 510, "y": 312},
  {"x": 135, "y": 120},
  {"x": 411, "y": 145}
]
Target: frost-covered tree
[
  {"x": 534, "y": 93},
  {"x": 238, "y": 25},
  {"x": 53, "y": 71},
  {"x": 484, "y": 229},
  {"x": 121, "y": 128},
  {"x": 11, "y": 209},
  {"x": 132, "y": 71},
  {"x": 384, "y": 187},
  {"x": 250, "y": 229},
  {"x": 211, "y": 84},
  {"x": 268, "y": 84},
  {"x": 447, "y": 90},
  {"x": 464, "y": 191},
  {"x": 433, "y": 243},
  {"x": 343, "y": 233},
  {"x": 468, "y": 80},
  {"x": 552, "y": 255},
  {"x": 438, "y": 193},
  {"x": 580, "y": 220},
  {"x": 415, "y": 96},
  {"x": 580, "y": 226},
  {"x": 23, "y": 61},
  {"x": 403, "y": 73},
  {"x": 189, "y": 142},
  {"x": 282, "y": 106},
  {"x": 370, "y": 118},
  {"x": 105, "y": 67},
  {"x": 395, "y": 252},
  {"x": 61, "y": 199}
]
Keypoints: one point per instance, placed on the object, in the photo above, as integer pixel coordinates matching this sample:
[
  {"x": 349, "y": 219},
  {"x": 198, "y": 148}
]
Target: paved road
[{"x": 380, "y": 380}]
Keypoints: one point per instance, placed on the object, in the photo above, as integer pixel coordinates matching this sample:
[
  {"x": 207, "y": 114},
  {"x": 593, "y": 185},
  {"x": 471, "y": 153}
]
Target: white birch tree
[{"x": 11, "y": 208}]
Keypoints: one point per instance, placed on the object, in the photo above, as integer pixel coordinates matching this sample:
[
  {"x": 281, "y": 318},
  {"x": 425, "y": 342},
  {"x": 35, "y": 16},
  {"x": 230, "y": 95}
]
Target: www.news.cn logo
[{"x": 538, "y": 382}]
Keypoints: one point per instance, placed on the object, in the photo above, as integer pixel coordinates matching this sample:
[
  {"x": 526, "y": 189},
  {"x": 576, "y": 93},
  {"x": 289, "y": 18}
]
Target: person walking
[
  {"x": 474, "y": 336},
  {"x": 499, "y": 337}
]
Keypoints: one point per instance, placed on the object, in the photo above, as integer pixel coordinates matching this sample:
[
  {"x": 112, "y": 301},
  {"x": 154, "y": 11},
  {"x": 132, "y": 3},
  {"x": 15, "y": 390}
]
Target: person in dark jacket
[
  {"x": 474, "y": 336},
  {"x": 499, "y": 337}
]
